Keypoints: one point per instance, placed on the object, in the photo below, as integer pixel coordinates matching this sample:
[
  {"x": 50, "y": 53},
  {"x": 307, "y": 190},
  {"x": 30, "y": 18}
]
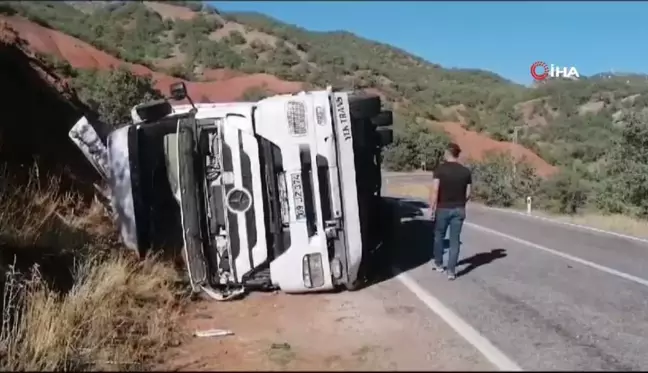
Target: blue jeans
[{"x": 453, "y": 218}]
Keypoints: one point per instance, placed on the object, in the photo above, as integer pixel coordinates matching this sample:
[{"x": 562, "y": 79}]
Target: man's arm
[
  {"x": 434, "y": 193},
  {"x": 469, "y": 186}
]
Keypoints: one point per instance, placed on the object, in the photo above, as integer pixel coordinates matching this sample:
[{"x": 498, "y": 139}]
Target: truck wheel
[
  {"x": 364, "y": 106},
  {"x": 358, "y": 284},
  {"x": 385, "y": 136},
  {"x": 385, "y": 118},
  {"x": 352, "y": 287},
  {"x": 390, "y": 220},
  {"x": 362, "y": 276}
]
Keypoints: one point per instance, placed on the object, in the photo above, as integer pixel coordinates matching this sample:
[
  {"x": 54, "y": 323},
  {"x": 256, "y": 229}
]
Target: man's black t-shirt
[{"x": 454, "y": 178}]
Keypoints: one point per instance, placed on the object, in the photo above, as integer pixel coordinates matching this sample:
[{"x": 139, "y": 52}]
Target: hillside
[
  {"x": 235, "y": 55},
  {"x": 245, "y": 55},
  {"x": 29, "y": 136},
  {"x": 81, "y": 55},
  {"x": 582, "y": 146}
]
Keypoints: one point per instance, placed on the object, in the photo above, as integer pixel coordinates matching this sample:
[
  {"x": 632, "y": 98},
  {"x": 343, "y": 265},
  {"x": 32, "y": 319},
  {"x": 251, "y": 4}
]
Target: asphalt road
[{"x": 548, "y": 296}]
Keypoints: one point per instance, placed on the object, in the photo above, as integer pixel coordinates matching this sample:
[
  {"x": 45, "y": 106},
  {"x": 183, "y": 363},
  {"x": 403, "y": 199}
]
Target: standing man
[{"x": 450, "y": 191}]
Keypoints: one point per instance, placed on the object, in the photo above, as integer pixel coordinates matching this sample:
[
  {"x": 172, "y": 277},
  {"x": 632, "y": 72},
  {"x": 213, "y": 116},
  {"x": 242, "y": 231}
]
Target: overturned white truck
[{"x": 280, "y": 193}]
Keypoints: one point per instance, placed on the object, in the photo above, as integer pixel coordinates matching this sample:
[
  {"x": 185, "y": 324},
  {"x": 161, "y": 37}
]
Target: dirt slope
[
  {"x": 475, "y": 145},
  {"x": 169, "y": 11},
  {"x": 83, "y": 55},
  {"x": 39, "y": 135}
]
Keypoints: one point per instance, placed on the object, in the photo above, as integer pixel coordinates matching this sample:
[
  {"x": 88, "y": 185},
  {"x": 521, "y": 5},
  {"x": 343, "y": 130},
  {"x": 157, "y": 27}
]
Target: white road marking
[
  {"x": 554, "y": 221},
  {"x": 576, "y": 259},
  {"x": 483, "y": 345}
]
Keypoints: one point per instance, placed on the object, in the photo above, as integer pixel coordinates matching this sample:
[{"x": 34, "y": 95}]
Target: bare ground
[
  {"x": 380, "y": 327},
  {"x": 383, "y": 327}
]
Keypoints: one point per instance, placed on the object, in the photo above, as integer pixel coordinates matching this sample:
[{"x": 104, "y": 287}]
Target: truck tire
[
  {"x": 389, "y": 221},
  {"x": 364, "y": 106},
  {"x": 355, "y": 285},
  {"x": 385, "y": 136},
  {"x": 383, "y": 119}
]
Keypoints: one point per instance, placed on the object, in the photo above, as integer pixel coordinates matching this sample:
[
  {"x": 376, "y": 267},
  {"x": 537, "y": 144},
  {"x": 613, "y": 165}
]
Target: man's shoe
[
  {"x": 438, "y": 268},
  {"x": 451, "y": 276}
]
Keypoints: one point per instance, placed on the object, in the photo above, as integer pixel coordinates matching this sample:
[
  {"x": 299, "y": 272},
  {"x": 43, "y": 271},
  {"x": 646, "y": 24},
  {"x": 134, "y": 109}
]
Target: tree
[
  {"x": 494, "y": 182},
  {"x": 564, "y": 192},
  {"x": 259, "y": 46},
  {"x": 625, "y": 181},
  {"x": 217, "y": 55},
  {"x": 236, "y": 38},
  {"x": 112, "y": 94},
  {"x": 415, "y": 144},
  {"x": 181, "y": 71},
  {"x": 284, "y": 56}
]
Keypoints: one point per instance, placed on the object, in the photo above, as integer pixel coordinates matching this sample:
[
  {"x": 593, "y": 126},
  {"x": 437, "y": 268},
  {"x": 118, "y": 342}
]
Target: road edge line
[
  {"x": 559, "y": 222},
  {"x": 573, "y": 258},
  {"x": 465, "y": 330}
]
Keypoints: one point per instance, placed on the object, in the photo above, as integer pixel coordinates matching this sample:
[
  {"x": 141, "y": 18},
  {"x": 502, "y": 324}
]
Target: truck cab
[{"x": 280, "y": 193}]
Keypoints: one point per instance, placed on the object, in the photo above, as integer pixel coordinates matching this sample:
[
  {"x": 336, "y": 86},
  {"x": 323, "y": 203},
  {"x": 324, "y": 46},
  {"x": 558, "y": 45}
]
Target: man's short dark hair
[{"x": 454, "y": 149}]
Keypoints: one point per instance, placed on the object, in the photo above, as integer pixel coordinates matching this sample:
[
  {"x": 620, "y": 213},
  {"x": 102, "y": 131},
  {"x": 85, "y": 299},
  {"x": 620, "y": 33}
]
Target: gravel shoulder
[{"x": 383, "y": 327}]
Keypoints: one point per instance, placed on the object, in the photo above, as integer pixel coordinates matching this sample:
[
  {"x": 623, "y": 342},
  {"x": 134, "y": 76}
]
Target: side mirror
[
  {"x": 385, "y": 118},
  {"x": 178, "y": 91},
  {"x": 385, "y": 136}
]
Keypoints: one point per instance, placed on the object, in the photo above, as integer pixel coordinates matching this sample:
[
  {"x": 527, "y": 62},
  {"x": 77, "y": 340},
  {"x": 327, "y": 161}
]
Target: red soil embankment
[
  {"x": 38, "y": 111},
  {"x": 475, "y": 145},
  {"x": 84, "y": 56}
]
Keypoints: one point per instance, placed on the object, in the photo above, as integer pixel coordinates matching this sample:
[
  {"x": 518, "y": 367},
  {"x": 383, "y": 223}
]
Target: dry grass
[
  {"x": 118, "y": 311},
  {"x": 118, "y": 316},
  {"x": 614, "y": 223},
  {"x": 39, "y": 214},
  {"x": 409, "y": 190}
]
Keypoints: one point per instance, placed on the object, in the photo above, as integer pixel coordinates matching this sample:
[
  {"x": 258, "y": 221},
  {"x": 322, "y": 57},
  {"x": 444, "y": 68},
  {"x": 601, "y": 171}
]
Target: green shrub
[
  {"x": 112, "y": 94},
  {"x": 499, "y": 180},
  {"x": 415, "y": 146},
  {"x": 256, "y": 94},
  {"x": 236, "y": 38},
  {"x": 564, "y": 192},
  {"x": 181, "y": 71}
]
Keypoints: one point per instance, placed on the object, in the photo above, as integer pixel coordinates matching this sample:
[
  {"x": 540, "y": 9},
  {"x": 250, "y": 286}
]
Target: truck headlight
[
  {"x": 312, "y": 270},
  {"x": 283, "y": 198},
  {"x": 336, "y": 268}
]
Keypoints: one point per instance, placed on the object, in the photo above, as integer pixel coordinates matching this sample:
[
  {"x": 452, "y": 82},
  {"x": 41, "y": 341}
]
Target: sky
[{"x": 500, "y": 36}]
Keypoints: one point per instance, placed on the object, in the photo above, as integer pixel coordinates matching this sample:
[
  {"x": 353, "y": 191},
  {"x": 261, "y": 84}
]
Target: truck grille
[{"x": 249, "y": 228}]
